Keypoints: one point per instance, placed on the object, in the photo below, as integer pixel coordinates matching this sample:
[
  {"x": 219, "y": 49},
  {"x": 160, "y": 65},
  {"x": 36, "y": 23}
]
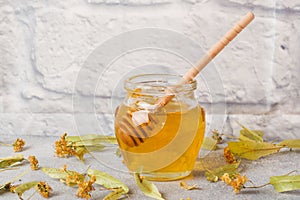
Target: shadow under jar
[{"x": 162, "y": 144}]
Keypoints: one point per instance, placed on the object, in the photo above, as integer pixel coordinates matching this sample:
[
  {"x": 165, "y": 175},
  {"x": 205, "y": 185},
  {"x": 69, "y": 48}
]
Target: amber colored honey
[{"x": 172, "y": 148}]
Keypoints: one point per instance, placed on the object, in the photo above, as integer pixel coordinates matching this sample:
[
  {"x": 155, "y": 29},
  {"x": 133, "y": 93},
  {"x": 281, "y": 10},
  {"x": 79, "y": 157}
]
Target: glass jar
[{"x": 162, "y": 144}]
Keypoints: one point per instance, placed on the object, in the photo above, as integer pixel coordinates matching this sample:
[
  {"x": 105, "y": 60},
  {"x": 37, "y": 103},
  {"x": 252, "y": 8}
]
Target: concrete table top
[{"x": 42, "y": 147}]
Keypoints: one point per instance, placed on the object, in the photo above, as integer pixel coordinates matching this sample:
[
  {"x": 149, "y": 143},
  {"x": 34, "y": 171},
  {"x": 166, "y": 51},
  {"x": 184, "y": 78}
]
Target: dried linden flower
[
  {"x": 72, "y": 178},
  {"x": 229, "y": 157},
  {"x": 62, "y": 149},
  {"x": 34, "y": 163},
  {"x": 18, "y": 145},
  {"x": 85, "y": 187},
  {"x": 237, "y": 182},
  {"x": 44, "y": 189},
  {"x": 11, "y": 187},
  {"x": 217, "y": 136},
  {"x": 226, "y": 178}
]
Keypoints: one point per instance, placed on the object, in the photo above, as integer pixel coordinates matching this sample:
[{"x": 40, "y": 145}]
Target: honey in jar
[{"x": 166, "y": 145}]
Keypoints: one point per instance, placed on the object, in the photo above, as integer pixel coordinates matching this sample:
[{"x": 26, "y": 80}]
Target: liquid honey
[{"x": 170, "y": 150}]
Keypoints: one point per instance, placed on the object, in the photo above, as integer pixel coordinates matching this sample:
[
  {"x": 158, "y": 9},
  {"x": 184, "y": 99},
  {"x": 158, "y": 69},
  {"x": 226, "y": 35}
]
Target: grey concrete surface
[{"x": 43, "y": 148}]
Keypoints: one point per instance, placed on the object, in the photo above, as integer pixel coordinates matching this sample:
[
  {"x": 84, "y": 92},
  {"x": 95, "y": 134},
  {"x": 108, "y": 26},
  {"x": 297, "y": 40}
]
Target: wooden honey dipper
[{"x": 135, "y": 126}]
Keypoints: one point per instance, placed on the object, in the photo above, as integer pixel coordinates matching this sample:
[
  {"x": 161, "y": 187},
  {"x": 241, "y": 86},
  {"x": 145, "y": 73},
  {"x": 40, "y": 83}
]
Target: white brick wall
[{"x": 46, "y": 44}]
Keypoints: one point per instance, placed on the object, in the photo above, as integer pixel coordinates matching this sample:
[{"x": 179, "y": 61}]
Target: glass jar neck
[{"x": 158, "y": 85}]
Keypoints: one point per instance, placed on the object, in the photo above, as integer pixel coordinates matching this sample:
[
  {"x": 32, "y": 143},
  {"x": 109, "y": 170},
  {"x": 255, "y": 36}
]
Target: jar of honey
[{"x": 162, "y": 144}]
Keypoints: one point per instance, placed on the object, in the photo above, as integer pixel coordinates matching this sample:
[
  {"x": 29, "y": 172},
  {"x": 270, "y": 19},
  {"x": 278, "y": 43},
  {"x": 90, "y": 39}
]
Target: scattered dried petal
[{"x": 188, "y": 187}]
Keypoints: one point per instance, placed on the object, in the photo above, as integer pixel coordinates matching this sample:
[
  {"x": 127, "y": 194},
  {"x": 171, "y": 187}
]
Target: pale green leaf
[
  {"x": 252, "y": 150},
  {"x": 87, "y": 143},
  {"x": 18, "y": 157},
  {"x": 81, "y": 137},
  {"x": 55, "y": 173},
  {"x": 115, "y": 194},
  {"x": 107, "y": 180},
  {"x": 11, "y": 167},
  {"x": 95, "y": 148},
  {"x": 291, "y": 143},
  {"x": 147, "y": 187},
  {"x": 80, "y": 151},
  {"x": 62, "y": 175},
  {"x": 24, "y": 187},
  {"x": 209, "y": 143},
  {"x": 11, "y": 161},
  {"x": 251, "y": 135},
  {"x": 285, "y": 183},
  {"x": 92, "y": 137},
  {"x": 215, "y": 174}
]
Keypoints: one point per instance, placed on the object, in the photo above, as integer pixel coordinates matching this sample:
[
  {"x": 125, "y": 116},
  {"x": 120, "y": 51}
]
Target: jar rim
[{"x": 158, "y": 82}]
